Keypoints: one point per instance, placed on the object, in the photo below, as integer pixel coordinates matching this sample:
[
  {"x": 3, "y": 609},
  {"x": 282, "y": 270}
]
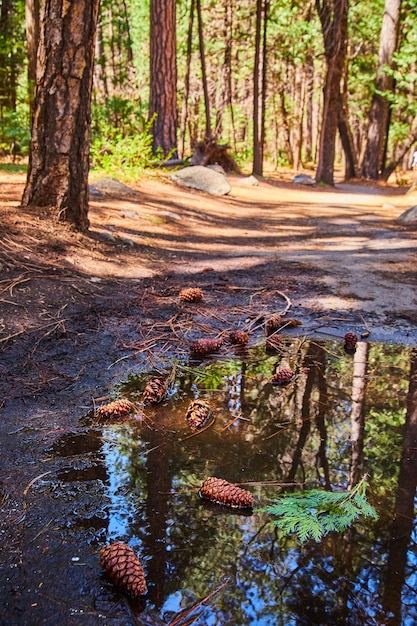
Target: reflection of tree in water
[
  {"x": 314, "y": 364},
  {"x": 404, "y": 514}
]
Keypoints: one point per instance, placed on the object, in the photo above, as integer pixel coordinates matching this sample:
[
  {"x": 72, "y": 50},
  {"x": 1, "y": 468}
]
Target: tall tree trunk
[
  {"x": 334, "y": 17},
  {"x": 224, "y": 99},
  {"x": 184, "y": 111},
  {"x": 309, "y": 91},
  {"x": 59, "y": 152},
  {"x": 345, "y": 132},
  {"x": 32, "y": 38},
  {"x": 373, "y": 160},
  {"x": 259, "y": 85},
  {"x": 204, "y": 71},
  {"x": 7, "y": 84},
  {"x": 163, "y": 87}
]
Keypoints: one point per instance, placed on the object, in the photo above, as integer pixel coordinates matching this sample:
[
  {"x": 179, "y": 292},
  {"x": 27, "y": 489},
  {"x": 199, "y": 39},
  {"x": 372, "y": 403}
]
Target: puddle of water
[{"x": 264, "y": 437}]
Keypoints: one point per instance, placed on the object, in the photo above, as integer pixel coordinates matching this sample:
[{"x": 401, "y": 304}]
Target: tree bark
[
  {"x": 184, "y": 111},
  {"x": 163, "y": 87},
  {"x": 259, "y": 86},
  {"x": 32, "y": 38},
  {"x": 373, "y": 160},
  {"x": 204, "y": 71},
  {"x": 334, "y": 18},
  {"x": 59, "y": 152}
]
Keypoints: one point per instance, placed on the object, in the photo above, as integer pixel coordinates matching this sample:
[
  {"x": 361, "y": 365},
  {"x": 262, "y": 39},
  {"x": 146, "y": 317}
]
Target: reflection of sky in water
[
  {"x": 273, "y": 578},
  {"x": 122, "y": 509}
]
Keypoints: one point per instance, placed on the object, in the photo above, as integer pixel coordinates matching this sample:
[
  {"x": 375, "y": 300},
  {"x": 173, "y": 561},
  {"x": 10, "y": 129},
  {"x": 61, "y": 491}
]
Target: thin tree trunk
[
  {"x": 184, "y": 111},
  {"x": 32, "y": 38},
  {"x": 373, "y": 161},
  {"x": 309, "y": 91},
  {"x": 204, "y": 71},
  {"x": 257, "y": 143}
]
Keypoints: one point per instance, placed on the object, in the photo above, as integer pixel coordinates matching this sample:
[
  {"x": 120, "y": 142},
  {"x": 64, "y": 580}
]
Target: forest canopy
[{"x": 291, "y": 83}]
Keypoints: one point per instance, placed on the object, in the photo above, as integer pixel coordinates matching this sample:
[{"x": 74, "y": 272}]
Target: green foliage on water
[{"x": 312, "y": 514}]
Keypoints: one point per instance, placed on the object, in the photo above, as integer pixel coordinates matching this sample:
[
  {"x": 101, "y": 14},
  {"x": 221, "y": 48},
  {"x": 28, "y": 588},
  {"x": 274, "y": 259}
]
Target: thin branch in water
[{"x": 179, "y": 620}]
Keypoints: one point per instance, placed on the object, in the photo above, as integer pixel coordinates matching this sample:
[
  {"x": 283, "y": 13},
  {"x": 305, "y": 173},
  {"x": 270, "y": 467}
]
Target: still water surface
[{"x": 343, "y": 416}]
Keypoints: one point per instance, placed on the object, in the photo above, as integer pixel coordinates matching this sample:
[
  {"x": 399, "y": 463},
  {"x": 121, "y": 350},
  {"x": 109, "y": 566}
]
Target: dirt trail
[{"x": 78, "y": 312}]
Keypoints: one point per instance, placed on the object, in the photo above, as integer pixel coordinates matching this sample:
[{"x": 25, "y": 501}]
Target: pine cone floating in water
[
  {"x": 203, "y": 347},
  {"x": 155, "y": 390},
  {"x": 123, "y": 568},
  {"x": 198, "y": 414},
  {"x": 350, "y": 342},
  {"x": 191, "y": 294},
  {"x": 221, "y": 492},
  {"x": 283, "y": 377},
  {"x": 273, "y": 324},
  {"x": 115, "y": 409},
  {"x": 238, "y": 337}
]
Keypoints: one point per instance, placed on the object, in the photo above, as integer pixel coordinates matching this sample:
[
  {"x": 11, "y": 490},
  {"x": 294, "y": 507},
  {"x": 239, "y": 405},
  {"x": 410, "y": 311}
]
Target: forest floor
[{"x": 79, "y": 311}]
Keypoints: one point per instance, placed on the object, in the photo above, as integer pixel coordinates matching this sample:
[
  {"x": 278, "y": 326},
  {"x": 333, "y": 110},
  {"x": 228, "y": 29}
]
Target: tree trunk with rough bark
[
  {"x": 334, "y": 18},
  {"x": 32, "y": 39},
  {"x": 373, "y": 160},
  {"x": 57, "y": 177},
  {"x": 163, "y": 82}
]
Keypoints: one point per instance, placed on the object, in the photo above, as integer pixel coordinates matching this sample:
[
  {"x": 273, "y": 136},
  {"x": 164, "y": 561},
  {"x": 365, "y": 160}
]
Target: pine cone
[
  {"x": 198, "y": 414},
  {"x": 273, "y": 324},
  {"x": 123, "y": 568},
  {"x": 154, "y": 391},
  {"x": 191, "y": 294},
  {"x": 221, "y": 492},
  {"x": 291, "y": 323},
  {"x": 115, "y": 409},
  {"x": 273, "y": 344},
  {"x": 238, "y": 337},
  {"x": 350, "y": 342},
  {"x": 203, "y": 347},
  {"x": 283, "y": 377}
]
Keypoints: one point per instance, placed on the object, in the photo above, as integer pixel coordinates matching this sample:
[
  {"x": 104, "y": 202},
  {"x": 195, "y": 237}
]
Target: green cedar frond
[{"x": 313, "y": 513}]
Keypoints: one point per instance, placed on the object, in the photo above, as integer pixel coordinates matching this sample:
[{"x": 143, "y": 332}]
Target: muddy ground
[{"x": 78, "y": 312}]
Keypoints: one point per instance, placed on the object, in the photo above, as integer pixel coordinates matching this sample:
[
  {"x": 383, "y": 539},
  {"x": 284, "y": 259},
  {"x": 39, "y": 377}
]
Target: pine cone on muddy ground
[
  {"x": 155, "y": 390},
  {"x": 191, "y": 294},
  {"x": 221, "y": 492},
  {"x": 282, "y": 377},
  {"x": 115, "y": 409},
  {"x": 238, "y": 338},
  {"x": 123, "y": 568},
  {"x": 203, "y": 347},
  {"x": 198, "y": 414},
  {"x": 350, "y": 342},
  {"x": 273, "y": 324}
]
